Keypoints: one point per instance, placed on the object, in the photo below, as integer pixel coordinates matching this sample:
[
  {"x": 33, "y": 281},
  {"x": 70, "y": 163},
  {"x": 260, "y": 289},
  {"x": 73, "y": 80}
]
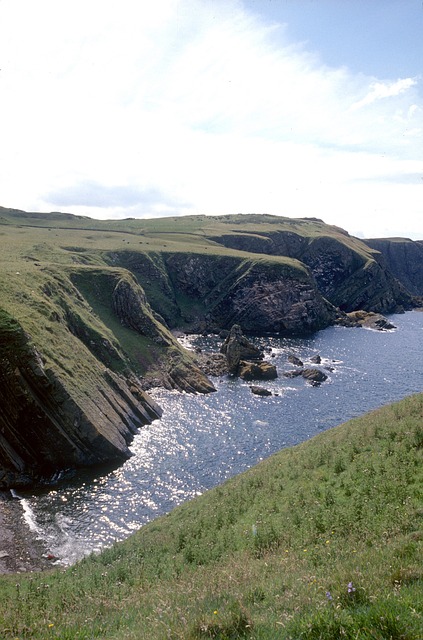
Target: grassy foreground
[{"x": 323, "y": 540}]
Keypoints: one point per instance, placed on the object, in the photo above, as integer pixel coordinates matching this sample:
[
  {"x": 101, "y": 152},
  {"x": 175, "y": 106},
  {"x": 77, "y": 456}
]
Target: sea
[{"x": 202, "y": 440}]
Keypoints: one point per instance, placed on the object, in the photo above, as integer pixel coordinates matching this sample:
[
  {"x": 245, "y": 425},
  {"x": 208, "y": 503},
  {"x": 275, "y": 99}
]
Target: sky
[{"x": 299, "y": 108}]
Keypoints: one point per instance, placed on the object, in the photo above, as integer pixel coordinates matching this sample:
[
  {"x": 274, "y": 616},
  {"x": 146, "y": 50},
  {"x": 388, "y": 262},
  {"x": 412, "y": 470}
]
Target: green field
[{"x": 320, "y": 541}]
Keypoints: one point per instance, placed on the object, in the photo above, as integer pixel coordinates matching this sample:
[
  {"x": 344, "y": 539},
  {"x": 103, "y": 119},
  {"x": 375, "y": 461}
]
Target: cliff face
[
  {"x": 45, "y": 426},
  {"x": 404, "y": 259},
  {"x": 347, "y": 274},
  {"x": 207, "y": 292}
]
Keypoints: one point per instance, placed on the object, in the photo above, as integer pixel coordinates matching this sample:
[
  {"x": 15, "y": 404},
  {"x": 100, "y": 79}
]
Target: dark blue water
[{"x": 203, "y": 440}]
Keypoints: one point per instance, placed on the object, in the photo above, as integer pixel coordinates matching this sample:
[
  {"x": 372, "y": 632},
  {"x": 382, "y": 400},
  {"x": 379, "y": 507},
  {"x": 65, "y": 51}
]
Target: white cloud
[
  {"x": 193, "y": 106},
  {"x": 380, "y": 90}
]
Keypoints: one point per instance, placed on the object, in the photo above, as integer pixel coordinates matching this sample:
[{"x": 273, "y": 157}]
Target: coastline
[{"x": 20, "y": 549}]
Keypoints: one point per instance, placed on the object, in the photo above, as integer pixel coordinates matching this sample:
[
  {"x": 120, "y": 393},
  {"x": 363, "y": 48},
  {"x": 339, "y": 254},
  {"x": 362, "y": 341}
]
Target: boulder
[
  {"x": 294, "y": 360},
  {"x": 257, "y": 370},
  {"x": 315, "y": 376}
]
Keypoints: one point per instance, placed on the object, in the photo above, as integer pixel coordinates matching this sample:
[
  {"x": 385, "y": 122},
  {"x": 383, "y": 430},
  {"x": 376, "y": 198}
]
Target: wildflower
[
  {"x": 327, "y": 541},
  {"x": 215, "y": 612},
  {"x": 329, "y": 595},
  {"x": 51, "y": 625},
  {"x": 351, "y": 589}
]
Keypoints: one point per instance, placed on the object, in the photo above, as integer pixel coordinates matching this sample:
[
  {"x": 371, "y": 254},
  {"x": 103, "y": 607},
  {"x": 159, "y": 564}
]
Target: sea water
[{"x": 202, "y": 440}]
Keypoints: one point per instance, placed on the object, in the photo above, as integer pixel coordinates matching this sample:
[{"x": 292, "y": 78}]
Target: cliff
[
  {"x": 348, "y": 272},
  {"x": 87, "y": 309},
  {"x": 404, "y": 259},
  {"x": 46, "y": 424},
  {"x": 214, "y": 291}
]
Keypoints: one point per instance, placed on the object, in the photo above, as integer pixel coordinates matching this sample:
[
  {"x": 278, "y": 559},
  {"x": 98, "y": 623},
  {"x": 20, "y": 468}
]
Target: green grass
[
  {"x": 160, "y": 233},
  {"x": 321, "y": 541}
]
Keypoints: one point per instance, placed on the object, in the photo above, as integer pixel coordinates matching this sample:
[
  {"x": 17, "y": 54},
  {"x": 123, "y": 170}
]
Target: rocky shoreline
[{"x": 20, "y": 549}]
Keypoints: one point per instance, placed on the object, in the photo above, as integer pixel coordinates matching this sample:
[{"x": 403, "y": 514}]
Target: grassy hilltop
[{"x": 321, "y": 541}]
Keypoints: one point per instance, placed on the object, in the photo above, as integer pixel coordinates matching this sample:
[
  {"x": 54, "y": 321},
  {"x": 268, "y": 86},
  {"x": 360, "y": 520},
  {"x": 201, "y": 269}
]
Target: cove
[{"x": 200, "y": 441}]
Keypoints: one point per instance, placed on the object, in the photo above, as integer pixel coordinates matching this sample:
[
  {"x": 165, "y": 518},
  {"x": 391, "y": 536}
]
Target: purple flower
[
  {"x": 351, "y": 589},
  {"x": 329, "y": 595}
]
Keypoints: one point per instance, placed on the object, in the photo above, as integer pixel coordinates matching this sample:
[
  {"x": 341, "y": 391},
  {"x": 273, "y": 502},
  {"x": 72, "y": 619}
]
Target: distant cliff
[
  {"x": 404, "y": 259},
  {"x": 347, "y": 273}
]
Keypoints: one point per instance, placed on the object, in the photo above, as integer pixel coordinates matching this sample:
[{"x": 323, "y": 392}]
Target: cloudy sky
[{"x": 140, "y": 109}]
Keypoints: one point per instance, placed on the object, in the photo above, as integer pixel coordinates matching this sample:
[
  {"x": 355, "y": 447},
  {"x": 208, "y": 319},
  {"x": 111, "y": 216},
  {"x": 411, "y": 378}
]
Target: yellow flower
[
  {"x": 215, "y": 613},
  {"x": 327, "y": 541},
  {"x": 51, "y": 625}
]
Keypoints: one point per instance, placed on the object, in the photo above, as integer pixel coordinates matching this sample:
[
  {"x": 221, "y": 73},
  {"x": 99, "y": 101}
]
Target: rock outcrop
[
  {"x": 366, "y": 319},
  {"x": 131, "y": 307},
  {"x": 237, "y": 347}
]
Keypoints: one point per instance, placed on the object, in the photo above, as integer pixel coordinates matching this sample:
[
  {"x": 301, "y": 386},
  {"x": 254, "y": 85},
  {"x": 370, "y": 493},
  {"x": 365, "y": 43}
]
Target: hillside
[
  {"x": 87, "y": 309},
  {"x": 321, "y": 541}
]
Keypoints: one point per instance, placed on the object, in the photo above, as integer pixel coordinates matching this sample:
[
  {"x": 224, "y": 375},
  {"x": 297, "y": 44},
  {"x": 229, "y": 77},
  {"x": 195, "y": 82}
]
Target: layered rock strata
[{"x": 46, "y": 427}]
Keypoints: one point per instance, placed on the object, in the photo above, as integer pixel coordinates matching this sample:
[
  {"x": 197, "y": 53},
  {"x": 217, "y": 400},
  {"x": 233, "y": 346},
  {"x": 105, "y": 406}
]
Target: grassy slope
[{"x": 269, "y": 554}]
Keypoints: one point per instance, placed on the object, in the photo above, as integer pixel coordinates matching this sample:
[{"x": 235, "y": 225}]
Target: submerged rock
[{"x": 260, "y": 391}]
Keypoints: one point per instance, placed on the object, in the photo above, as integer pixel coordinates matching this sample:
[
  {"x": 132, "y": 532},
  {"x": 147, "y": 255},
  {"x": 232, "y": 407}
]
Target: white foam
[{"x": 29, "y": 516}]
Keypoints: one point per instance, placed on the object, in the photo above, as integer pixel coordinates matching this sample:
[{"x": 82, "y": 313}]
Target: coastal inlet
[{"x": 200, "y": 441}]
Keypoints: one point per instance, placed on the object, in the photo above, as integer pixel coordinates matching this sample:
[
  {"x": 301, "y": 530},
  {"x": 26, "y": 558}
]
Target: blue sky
[
  {"x": 381, "y": 38},
  {"x": 142, "y": 109}
]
